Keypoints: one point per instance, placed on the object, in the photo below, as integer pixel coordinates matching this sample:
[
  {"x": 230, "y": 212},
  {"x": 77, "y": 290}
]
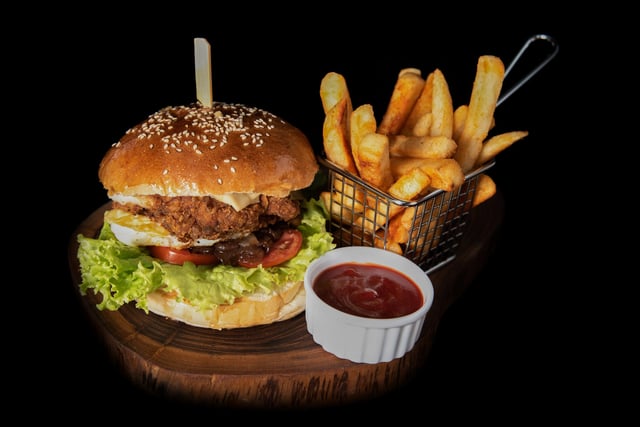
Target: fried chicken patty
[{"x": 193, "y": 218}]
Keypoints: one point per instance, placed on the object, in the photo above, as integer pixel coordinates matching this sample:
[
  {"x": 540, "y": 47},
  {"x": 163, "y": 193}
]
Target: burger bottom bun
[{"x": 253, "y": 310}]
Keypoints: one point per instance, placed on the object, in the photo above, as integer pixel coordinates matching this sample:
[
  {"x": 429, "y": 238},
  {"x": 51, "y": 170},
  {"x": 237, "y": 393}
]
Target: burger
[{"x": 208, "y": 223}]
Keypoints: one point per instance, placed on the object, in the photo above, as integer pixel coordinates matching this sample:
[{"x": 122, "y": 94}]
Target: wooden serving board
[{"x": 270, "y": 366}]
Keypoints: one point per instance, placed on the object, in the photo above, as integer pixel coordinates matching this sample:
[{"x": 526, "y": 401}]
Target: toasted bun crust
[
  {"x": 198, "y": 151},
  {"x": 253, "y": 310}
]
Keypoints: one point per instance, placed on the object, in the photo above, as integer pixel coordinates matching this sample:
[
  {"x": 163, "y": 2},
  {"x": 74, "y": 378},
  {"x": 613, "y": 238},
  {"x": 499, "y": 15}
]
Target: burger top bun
[{"x": 198, "y": 151}]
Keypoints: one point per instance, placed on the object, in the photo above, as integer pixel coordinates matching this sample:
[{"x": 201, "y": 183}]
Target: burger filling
[
  {"x": 243, "y": 236},
  {"x": 123, "y": 273}
]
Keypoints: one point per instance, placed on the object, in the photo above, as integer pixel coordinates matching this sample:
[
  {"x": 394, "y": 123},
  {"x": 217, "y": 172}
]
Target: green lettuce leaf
[{"x": 122, "y": 274}]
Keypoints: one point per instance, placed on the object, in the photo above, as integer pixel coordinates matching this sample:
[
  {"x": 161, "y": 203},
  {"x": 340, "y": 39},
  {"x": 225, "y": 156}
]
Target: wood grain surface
[{"x": 270, "y": 366}]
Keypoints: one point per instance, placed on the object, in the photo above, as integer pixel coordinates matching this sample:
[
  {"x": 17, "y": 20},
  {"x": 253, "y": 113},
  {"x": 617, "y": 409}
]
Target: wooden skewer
[{"x": 202, "y": 51}]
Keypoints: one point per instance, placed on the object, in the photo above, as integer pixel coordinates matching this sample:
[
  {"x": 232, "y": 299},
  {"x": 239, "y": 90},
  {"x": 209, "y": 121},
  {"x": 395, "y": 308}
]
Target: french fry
[
  {"x": 373, "y": 160},
  {"x": 408, "y": 187},
  {"x": 498, "y": 143},
  {"x": 351, "y": 235},
  {"x": 424, "y": 147},
  {"x": 484, "y": 97},
  {"x": 445, "y": 174},
  {"x": 400, "y": 224},
  {"x": 415, "y": 226},
  {"x": 361, "y": 123},
  {"x": 485, "y": 189},
  {"x": 333, "y": 88},
  {"x": 348, "y": 194},
  {"x": 459, "y": 116},
  {"x": 441, "y": 107},
  {"x": 325, "y": 198},
  {"x": 336, "y": 103},
  {"x": 421, "y": 108},
  {"x": 423, "y": 125},
  {"x": 335, "y": 136},
  {"x": 405, "y": 93},
  {"x": 339, "y": 208},
  {"x": 380, "y": 242}
]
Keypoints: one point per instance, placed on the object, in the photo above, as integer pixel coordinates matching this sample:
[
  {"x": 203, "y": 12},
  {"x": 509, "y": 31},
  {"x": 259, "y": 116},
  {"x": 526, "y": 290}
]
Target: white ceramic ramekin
[{"x": 365, "y": 339}]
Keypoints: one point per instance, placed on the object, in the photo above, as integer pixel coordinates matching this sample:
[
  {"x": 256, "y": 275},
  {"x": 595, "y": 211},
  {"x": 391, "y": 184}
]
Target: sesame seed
[{"x": 196, "y": 126}]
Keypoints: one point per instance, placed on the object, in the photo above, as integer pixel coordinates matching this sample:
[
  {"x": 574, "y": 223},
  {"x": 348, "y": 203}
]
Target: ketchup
[{"x": 368, "y": 290}]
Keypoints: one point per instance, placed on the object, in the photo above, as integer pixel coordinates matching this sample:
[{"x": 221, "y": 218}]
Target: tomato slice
[
  {"x": 180, "y": 256},
  {"x": 283, "y": 250}
]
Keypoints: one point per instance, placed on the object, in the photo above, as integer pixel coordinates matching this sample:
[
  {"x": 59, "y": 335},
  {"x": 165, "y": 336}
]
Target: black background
[{"x": 501, "y": 350}]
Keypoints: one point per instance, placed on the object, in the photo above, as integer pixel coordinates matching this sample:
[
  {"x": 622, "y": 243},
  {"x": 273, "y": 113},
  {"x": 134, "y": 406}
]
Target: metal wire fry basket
[{"x": 361, "y": 216}]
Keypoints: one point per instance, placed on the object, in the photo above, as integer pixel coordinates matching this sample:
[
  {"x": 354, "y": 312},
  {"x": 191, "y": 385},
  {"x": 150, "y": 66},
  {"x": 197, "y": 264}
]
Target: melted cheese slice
[{"x": 239, "y": 201}]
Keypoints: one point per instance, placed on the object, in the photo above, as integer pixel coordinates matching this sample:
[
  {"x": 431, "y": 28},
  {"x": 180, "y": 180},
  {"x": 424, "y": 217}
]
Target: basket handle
[{"x": 515, "y": 60}]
